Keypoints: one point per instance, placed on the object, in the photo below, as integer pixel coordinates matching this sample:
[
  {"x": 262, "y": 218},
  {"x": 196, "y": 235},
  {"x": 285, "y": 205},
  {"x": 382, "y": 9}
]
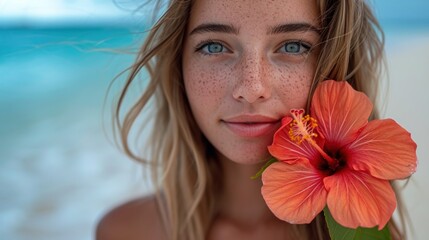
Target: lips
[{"x": 250, "y": 126}]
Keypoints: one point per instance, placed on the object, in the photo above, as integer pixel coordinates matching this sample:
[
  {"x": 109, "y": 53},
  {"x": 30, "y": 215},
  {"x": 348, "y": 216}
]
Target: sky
[
  {"x": 36, "y": 12},
  {"x": 59, "y": 12}
]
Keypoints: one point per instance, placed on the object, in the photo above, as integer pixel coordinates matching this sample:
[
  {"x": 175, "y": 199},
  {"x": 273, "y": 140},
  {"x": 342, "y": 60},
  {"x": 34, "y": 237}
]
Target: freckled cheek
[
  {"x": 294, "y": 83},
  {"x": 205, "y": 84}
]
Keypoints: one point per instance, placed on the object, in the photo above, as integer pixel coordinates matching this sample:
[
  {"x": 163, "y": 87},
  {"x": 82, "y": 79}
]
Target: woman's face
[{"x": 246, "y": 63}]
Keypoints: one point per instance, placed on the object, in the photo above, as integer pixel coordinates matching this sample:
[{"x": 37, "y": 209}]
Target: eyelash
[
  {"x": 307, "y": 47},
  {"x": 199, "y": 48}
]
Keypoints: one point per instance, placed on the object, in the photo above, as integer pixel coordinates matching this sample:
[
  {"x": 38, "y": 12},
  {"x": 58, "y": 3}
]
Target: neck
[{"x": 240, "y": 198}]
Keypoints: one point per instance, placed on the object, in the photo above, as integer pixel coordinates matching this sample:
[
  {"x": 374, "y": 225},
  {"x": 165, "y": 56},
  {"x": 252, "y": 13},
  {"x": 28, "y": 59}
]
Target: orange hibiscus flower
[{"x": 339, "y": 159}]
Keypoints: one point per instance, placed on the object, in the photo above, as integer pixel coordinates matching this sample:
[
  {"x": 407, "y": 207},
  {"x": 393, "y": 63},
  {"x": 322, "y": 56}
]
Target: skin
[{"x": 238, "y": 76}]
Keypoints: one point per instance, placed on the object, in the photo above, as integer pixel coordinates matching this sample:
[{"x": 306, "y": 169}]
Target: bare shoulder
[{"x": 136, "y": 219}]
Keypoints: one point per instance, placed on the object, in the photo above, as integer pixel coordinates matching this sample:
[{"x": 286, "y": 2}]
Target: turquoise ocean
[{"x": 58, "y": 163}]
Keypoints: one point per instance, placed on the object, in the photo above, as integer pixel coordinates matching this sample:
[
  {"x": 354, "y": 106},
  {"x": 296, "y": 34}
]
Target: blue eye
[
  {"x": 211, "y": 48},
  {"x": 295, "y": 48},
  {"x": 214, "y": 48}
]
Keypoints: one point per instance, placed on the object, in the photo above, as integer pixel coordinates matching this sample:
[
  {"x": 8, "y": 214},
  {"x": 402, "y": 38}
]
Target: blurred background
[{"x": 59, "y": 168}]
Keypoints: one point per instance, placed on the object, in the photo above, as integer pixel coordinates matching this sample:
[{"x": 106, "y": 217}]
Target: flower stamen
[{"x": 302, "y": 129}]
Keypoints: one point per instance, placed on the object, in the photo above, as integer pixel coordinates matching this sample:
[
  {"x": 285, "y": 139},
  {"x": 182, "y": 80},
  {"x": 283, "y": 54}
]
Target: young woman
[{"x": 222, "y": 75}]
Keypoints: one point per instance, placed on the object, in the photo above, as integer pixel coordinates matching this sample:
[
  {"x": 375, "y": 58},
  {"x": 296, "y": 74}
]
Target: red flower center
[{"x": 331, "y": 167}]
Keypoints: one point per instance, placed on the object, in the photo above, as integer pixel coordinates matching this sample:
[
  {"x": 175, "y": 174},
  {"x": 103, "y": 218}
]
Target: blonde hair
[{"x": 182, "y": 164}]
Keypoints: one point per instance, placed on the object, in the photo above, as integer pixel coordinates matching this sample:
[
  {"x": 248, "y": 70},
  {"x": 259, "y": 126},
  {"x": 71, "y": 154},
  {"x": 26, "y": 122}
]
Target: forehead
[{"x": 253, "y": 13}]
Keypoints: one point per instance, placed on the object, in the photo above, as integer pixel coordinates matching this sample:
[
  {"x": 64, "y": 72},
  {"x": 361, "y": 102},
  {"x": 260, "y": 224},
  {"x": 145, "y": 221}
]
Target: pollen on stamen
[{"x": 302, "y": 127}]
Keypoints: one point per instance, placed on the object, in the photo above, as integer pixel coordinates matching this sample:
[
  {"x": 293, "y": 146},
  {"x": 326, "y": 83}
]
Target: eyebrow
[
  {"x": 282, "y": 28},
  {"x": 214, "y": 27},
  {"x": 293, "y": 27}
]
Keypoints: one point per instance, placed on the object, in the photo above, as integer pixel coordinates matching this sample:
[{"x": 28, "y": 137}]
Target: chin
[
  {"x": 246, "y": 152},
  {"x": 248, "y": 157}
]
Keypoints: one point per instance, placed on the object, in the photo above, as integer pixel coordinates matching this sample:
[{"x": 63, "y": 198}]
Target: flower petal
[
  {"x": 294, "y": 192},
  {"x": 384, "y": 149},
  {"x": 340, "y": 111},
  {"x": 356, "y": 199},
  {"x": 284, "y": 149}
]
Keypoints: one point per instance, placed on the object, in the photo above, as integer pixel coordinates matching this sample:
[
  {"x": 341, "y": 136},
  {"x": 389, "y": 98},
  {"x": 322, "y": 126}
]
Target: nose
[{"x": 253, "y": 83}]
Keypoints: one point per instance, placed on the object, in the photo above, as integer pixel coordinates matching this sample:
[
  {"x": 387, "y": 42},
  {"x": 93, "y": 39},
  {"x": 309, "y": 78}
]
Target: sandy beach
[
  {"x": 408, "y": 100},
  {"x": 61, "y": 175}
]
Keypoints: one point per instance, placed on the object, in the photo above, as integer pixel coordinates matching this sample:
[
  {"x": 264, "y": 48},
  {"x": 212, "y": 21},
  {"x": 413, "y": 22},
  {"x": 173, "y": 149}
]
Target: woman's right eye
[{"x": 211, "y": 48}]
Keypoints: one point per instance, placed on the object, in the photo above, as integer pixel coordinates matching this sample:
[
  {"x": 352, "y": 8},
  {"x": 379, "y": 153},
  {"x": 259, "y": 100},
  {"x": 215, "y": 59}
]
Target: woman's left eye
[{"x": 295, "y": 48}]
